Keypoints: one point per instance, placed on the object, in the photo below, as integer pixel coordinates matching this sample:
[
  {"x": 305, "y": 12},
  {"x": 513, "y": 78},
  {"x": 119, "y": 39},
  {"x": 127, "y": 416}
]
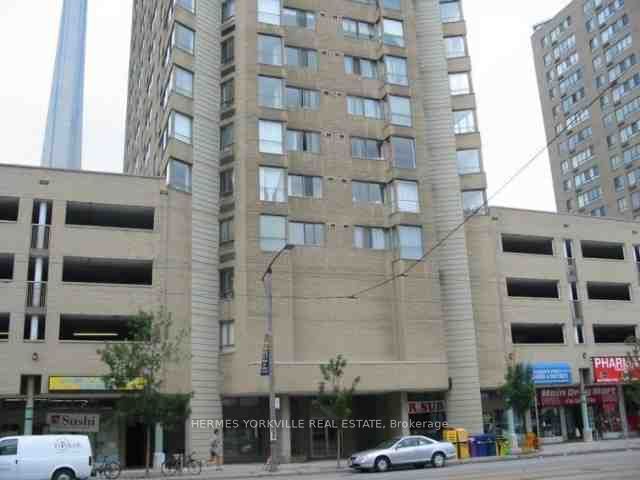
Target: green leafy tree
[
  {"x": 138, "y": 366},
  {"x": 632, "y": 375},
  {"x": 334, "y": 399},
  {"x": 519, "y": 390}
]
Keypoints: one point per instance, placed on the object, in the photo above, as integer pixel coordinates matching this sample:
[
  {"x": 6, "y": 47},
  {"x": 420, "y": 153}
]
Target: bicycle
[
  {"x": 178, "y": 463},
  {"x": 107, "y": 467}
]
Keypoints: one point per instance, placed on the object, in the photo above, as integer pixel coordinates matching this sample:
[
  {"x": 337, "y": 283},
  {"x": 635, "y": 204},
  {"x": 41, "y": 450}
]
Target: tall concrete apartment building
[
  {"x": 348, "y": 129},
  {"x": 587, "y": 67}
]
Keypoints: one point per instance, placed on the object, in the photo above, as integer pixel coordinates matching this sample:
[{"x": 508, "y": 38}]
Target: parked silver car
[{"x": 414, "y": 450}]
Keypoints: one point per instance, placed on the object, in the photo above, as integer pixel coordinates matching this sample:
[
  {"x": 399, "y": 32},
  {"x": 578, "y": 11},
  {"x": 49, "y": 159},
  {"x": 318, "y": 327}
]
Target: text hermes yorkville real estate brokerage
[{"x": 346, "y": 130}]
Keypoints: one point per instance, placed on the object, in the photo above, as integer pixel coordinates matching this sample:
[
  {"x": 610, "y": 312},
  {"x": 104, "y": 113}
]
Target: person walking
[{"x": 215, "y": 450}]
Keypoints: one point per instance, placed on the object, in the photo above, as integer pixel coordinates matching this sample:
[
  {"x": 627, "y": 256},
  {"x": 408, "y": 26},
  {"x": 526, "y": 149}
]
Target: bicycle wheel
[
  {"x": 112, "y": 470},
  {"x": 169, "y": 469},
  {"x": 194, "y": 467}
]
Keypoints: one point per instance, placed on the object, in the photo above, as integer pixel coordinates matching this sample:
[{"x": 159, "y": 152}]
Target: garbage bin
[
  {"x": 504, "y": 446},
  {"x": 490, "y": 445},
  {"x": 481, "y": 448},
  {"x": 463, "y": 450},
  {"x": 473, "y": 447}
]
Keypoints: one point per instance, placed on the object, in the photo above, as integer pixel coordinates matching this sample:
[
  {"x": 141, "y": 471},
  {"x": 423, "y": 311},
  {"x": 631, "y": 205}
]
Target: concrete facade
[{"x": 586, "y": 60}]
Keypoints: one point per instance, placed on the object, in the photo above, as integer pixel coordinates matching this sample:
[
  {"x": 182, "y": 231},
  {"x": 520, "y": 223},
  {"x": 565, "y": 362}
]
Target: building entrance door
[
  {"x": 135, "y": 445},
  {"x": 574, "y": 422},
  {"x": 323, "y": 442}
]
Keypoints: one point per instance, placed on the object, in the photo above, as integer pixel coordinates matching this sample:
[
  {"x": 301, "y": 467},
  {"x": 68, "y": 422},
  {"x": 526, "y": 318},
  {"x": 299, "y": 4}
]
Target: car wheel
[
  {"x": 382, "y": 464},
  {"x": 64, "y": 474},
  {"x": 438, "y": 460}
]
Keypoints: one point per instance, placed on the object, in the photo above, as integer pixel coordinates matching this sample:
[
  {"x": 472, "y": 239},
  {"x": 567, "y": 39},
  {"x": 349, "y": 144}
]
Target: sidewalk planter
[{"x": 504, "y": 446}]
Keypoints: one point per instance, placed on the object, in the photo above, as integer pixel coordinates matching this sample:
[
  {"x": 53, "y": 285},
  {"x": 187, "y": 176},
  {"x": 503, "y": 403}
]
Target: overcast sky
[{"x": 504, "y": 79}]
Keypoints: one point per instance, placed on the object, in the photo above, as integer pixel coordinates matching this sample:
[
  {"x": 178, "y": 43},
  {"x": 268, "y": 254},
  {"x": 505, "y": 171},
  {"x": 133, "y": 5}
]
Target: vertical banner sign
[{"x": 265, "y": 364}]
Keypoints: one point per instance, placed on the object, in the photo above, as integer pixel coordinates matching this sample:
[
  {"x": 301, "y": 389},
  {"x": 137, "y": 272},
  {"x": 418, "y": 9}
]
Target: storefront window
[{"x": 550, "y": 423}]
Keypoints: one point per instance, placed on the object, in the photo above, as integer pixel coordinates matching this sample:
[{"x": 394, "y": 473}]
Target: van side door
[{"x": 9, "y": 459}]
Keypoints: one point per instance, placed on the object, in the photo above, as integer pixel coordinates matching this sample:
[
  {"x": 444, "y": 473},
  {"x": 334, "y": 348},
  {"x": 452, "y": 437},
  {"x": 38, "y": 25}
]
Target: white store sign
[{"x": 73, "y": 422}]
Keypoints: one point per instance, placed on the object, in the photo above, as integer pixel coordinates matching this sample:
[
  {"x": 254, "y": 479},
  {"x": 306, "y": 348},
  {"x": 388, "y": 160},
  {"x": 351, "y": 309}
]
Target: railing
[
  {"x": 36, "y": 294},
  {"x": 40, "y": 236}
]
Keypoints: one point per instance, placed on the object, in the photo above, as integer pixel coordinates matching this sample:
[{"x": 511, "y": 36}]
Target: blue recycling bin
[
  {"x": 486, "y": 445},
  {"x": 474, "y": 446}
]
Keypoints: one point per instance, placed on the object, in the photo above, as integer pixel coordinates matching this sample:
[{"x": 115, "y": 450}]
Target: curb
[{"x": 453, "y": 463}]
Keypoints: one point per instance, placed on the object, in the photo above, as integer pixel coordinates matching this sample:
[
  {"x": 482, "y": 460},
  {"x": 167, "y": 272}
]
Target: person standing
[{"x": 215, "y": 450}]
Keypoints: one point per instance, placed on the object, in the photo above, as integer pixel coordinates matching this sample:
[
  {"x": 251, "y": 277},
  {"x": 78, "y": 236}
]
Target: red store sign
[
  {"x": 560, "y": 397},
  {"x": 612, "y": 369},
  {"x": 426, "y": 407}
]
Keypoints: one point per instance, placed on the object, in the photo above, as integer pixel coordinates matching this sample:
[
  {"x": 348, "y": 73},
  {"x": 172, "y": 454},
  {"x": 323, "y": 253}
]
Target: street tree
[
  {"x": 519, "y": 389},
  {"x": 139, "y": 365},
  {"x": 334, "y": 399}
]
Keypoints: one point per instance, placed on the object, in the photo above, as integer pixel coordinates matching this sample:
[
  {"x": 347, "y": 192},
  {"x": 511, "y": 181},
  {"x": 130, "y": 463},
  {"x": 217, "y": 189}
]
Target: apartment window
[
  {"x": 631, "y": 154},
  {"x": 597, "y": 63},
  {"x": 364, "y": 107},
  {"x": 269, "y": 11},
  {"x": 455, "y": 47},
  {"x": 273, "y": 184},
  {"x": 227, "y": 51},
  {"x": 635, "y": 200},
  {"x": 228, "y": 9},
  {"x": 301, "y": 141},
  {"x": 367, "y": 192},
  {"x": 226, "y": 230},
  {"x": 366, "y": 148},
  {"x": 408, "y": 241},
  {"x": 599, "y": 212},
  {"x": 360, "y": 66},
  {"x": 403, "y": 152},
  {"x": 179, "y": 175},
  {"x": 183, "y": 38},
  {"x": 370, "y": 238},
  {"x": 399, "y": 110},
  {"x": 615, "y": 162},
  {"x": 273, "y": 232},
  {"x": 293, "y": 17},
  {"x": 608, "y": 291},
  {"x": 587, "y": 176},
  {"x": 270, "y": 50},
  {"x": 396, "y": 70},
  {"x": 9, "y": 209},
  {"x": 305, "y": 186},
  {"x": 6, "y": 266},
  {"x": 271, "y": 137},
  {"x": 226, "y": 283},
  {"x": 405, "y": 197},
  {"x": 226, "y": 138},
  {"x": 307, "y": 234},
  {"x": 226, "y": 182},
  {"x": 468, "y": 161},
  {"x": 450, "y": 11},
  {"x": 302, "y": 99},
  {"x": 180, "y": 127},
  {"x": 459, "y": 83},
  {"x": 567, "y": 185},
  {"x": 227, "y": 334},
  {"x": 618, "y": 183},
  {"x": 464, "y": 121},
  {"x": 632, "y": 178},
  {"x": 270, "y": 92},
  {"x": 358, "y": 29},
  {"x": 302, "y": 58},
  {"x": 473, "y": 201},
  {"x": 623, "y": 204},
  {"x": 591, "y": 196},
  {"x": 187, "y": 4},
  {"x": 227, "y": 94},
  {"x": 392, "y": 32},
  {"x": 532, "y": 245},
  {"x": 181, "y": 81},
  {"x": 391, "y": 4}
]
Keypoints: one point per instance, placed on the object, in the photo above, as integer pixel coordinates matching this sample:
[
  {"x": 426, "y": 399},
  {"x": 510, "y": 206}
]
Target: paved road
[{"x": 609, "y": 466}]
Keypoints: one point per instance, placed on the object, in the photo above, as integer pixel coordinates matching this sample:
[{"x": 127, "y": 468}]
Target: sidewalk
[{"x": 237, "y": 471}]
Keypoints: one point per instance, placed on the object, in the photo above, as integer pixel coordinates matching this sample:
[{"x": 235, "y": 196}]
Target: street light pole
[{"x": 273, "y": 432}]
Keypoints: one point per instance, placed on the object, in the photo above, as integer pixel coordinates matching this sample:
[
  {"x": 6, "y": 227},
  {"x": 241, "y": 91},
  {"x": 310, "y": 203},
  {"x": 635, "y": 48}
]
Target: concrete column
[
  {"x": 563, "y": 424},
  {"x": 404, "y": 413},
  {"x": 28, "y": 411},
  {"x": 587, "y": 432},
  {"x": 158, "y": 449},
  {"x": 285, "y": 431},
  {"x": 623, "y": 412},
  {"x": 511, "y": 422}
]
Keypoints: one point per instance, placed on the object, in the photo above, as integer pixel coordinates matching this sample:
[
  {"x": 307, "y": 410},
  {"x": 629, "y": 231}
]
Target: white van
[{"x": 45, "y": 457}]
